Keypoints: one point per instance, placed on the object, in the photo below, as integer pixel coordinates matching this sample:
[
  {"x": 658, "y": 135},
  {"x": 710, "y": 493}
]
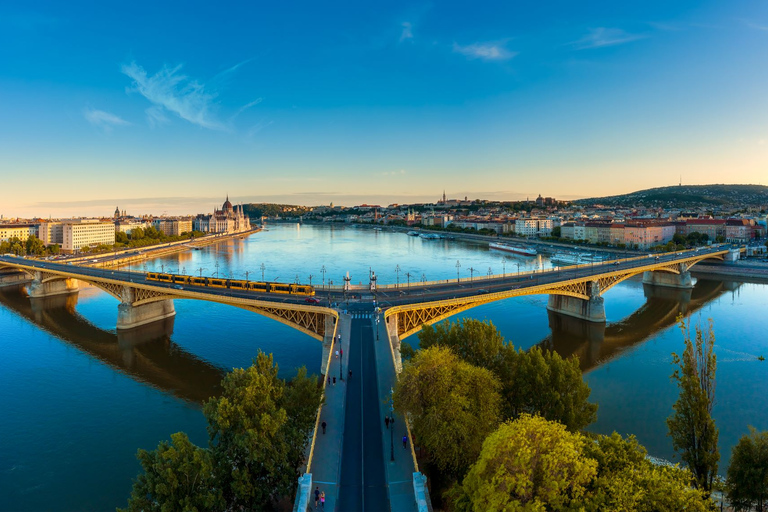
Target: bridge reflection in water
[
  {"x": 145, "y": 353},
  {"x": 594, "y": 343}
]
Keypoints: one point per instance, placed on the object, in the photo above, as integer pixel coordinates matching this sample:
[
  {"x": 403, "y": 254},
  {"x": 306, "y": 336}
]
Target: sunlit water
[{"x": 78, "y": 400}]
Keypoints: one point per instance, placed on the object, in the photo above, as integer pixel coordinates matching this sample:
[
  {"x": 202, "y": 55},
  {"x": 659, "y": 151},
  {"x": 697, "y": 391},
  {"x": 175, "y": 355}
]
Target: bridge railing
[{"x": 493, "y": 277}]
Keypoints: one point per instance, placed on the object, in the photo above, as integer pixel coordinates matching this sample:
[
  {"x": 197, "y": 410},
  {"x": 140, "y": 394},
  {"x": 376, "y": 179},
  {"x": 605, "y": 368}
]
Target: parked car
[{"x": 312, "y": 300}]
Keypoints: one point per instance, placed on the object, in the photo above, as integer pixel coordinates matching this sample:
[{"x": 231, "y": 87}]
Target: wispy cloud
[
  {"x": 104, "y": 120},
  {"x": 246, "y": 107},
  {"x": 156, "y": 116},
  {"x": 256, "y": 128},
  {"x": 484, "y": 51},
  {"x": 601, "y": 37},
  {"x": 754, "y": 25},
  {"x": 177, "y": 93},
  {"x": 401, "y": 172},
  {"x": 407, "y": 31}
]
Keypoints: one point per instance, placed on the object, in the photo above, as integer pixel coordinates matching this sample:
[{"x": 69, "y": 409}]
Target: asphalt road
[{"x": 363, "y": 481}]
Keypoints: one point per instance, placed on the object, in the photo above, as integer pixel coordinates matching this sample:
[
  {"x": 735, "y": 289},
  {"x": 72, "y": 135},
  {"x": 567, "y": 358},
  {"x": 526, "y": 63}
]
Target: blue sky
[{"x": 169, "y": 106}]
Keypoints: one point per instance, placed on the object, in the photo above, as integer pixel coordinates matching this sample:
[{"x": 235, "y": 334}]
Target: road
[{"x": 364, "y": 487}]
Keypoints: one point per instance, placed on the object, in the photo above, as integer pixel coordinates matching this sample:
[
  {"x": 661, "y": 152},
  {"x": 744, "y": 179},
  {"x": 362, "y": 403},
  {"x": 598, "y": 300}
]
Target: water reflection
[
  {"x": 145, "y": 353},
  {"x": 597, "y": 343}
]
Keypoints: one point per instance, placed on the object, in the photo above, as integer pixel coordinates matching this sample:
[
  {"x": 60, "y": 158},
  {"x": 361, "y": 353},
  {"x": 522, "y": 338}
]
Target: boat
[
  {"x": 524, "y": 251},
  {"x": 430, "y": 236},
  {"x": 577, "y": 258},
  {"x": 413, "y": 233}
]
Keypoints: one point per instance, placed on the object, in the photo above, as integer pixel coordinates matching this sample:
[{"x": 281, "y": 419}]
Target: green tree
[
  {"x": 54, "y": 249},
  {"x": 627, "y": 481},
  {"x": 557, "y": 232},
  {"x": 176, "y": 477},
  {"x": 34, "y": 246},
  {"x": 453, "y": 406},
  {"x": 691, "y": 426},
  {"x": 747, "y": 482},
  {"x": 255, "y": 442},
  {"x": 534, "y": 382},
  {"x": 529, "y": 464},
  {"x": 137, "y": 234},
  {"x": 121, "y": 237}
]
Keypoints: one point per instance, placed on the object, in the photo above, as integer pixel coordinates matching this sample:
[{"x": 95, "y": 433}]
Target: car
[
  {"x": 178, "y": 287},
  {"x": 312, "y": 300},
  {"x": 482, "y": 290}
]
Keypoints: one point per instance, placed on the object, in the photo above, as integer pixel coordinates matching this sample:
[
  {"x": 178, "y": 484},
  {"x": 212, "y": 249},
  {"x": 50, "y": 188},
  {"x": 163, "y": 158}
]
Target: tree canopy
[
  {"x": 453, "y": 406},
  {"x": 747, "y": 482},
  {"x": 691, "y": 426}
]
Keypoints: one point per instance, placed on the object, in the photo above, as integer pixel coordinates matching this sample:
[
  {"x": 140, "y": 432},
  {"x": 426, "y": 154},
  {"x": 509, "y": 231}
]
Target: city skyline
[{"x": 353, "y": 104}]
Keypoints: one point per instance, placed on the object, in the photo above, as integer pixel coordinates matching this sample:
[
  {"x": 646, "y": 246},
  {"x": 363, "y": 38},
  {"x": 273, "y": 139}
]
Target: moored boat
[{"x": 524, "y": 251}]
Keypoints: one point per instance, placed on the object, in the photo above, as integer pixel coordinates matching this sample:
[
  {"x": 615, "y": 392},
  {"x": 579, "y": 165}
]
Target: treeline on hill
[
  {"x": 687, "y": 196},
  {"x": 257, "y": 210},
  {"x": 502, "y": 429}
]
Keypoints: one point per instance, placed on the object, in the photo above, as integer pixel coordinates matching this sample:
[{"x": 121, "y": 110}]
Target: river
[{"x": 78, "y": 399}]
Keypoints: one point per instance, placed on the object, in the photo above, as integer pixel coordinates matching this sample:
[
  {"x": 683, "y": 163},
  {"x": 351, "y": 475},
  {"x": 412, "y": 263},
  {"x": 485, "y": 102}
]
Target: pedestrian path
[
  {"x": 326, "y": 454},
  {"x": 400, "y": 471}
]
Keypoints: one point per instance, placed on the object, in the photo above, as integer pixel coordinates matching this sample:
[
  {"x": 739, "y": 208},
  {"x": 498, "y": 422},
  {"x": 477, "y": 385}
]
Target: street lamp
[
  {"x": 471, "y": 273},
  {"x": 408, "y": 276},
  {"x": 246, "y": 277},
  {"x": 310, "y": 279},
  {"x": 423, "y": 277},
  {"x": 297, "y": 279},
  {"x": 323, "y": 271},
  {"x": 458, "y": 267},
  {"x": 518, "y": 269},
  {"x": 490, "y": 273},
  {"x": 217, "y": 269},
  {"x": 392, "y": 430},
  {"x": 201, "y": 271},
  {"x": 397, "y": 272},
  {"x": 262, "y": 271},
  {"x": 504, "y": 265}
]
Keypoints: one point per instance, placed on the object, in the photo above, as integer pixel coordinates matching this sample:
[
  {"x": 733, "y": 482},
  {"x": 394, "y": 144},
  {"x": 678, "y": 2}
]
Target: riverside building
[{"x": 79, "y": 233}]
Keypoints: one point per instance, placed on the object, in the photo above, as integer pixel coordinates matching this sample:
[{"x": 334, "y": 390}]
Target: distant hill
[
  {"x": 688, "y": 196},
  {"x": 257, "y": 210}
]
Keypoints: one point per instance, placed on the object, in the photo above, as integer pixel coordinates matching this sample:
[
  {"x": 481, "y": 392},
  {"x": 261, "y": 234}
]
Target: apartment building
[{"x": 79, "y": 233}]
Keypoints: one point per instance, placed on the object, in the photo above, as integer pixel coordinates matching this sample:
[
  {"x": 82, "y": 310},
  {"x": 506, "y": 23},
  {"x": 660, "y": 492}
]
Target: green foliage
[
  {"x": 176, "y": 477},
  {"x": 406, "y": 351},
  {"x": 691, "y": 426},
  {"x": 627, "y": 481},
  {"x": 747, "y": 483},
  {"x": 453, "y": 406},
  {"x": 529, "y": 464},
  {"x": 534, "y": 382},
  {"x": 258, "y": 429},
  {"x": 257, "y": 445},
  {"x": 121, "y": 237},
  {"x": 137, "y": 234},
  {"x": 35, "y": 246},
  {"x": 557, "y": 232}
]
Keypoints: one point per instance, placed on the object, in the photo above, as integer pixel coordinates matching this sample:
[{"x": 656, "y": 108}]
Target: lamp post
[
  {"x": 504, "y": 265},
  {"x": 490, "y": 272},
  {"x": 397, "y": 273},
  {"x": 423, "y": 277},
  {"x": 201, "y": 271},
  {"x": 217, "y": 269},
  {"x": 246, "y": 277},
  {"x": 323, "y": 272},
  {"x": 310, "y": 279},
  {"x": 392, "y": 430},
  {"x": 262, "y": 271},
  {"x": 518, "y": 269},
  {"x": 458, "y": 267},
  {"x": 297, "y": 279},
  {"x": 408, "y": 276},
  {"x": 162, "y": 268}
]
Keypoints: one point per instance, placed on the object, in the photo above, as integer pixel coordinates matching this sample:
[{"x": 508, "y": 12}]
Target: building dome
[{"x": 227, "y": 207}]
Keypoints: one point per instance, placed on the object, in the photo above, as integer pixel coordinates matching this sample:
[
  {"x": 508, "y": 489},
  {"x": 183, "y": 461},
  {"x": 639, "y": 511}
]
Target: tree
[
  {"x": 54, "y": 249},
  {"x": 691, "y": 426},
  {"x": 452, "y": 405},
  {"x": 35, "y": 246},
  {"x": 528, "y": 464},
  {"x": 137, "y": 234},
  {"x": 121, "y": 237},
  {"x": 255, "y": 443},
  {"x": 176, "y": 477},
  {"x": 534, "y": 382},
  {"x": 557, "y": 231},
  {"x": 747, "y": 482},
  {"x": 627, "y": 481}
]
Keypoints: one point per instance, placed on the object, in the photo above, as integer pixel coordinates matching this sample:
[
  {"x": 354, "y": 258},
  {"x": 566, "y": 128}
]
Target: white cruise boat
[{"x": 525, "y": 251}]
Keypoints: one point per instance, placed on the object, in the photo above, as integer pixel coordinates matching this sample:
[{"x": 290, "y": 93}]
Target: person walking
[
  {"x": 405, "y": 442},
  {"x": 350, "y": 374},
  {"x": 317, "y": 496},
  {"x": 392, "y": 421},
  {"x": 337, "y": 354},
  {"x": 386, "y": 422},
  {"x": 324, "y": 425},
  {"x": 322, "y": 500},
  {"x": 341, "y": 352},
  {"x": 334, "y": 381}
]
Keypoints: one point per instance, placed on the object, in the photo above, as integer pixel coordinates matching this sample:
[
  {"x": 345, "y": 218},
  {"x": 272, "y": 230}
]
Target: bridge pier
[
  {"x": 130, "y": 315},
  {"x": 41, "y": 288},
  {"x": 13, "y": 278},
  {"x": 592, "y": 309},
  {"x": 669, "y": 279}
]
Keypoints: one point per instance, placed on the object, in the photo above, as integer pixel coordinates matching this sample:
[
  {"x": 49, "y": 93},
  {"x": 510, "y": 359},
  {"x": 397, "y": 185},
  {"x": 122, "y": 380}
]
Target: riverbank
[
  {"x": 747, "y": 271},
  {"x": 128, "y": 256}
]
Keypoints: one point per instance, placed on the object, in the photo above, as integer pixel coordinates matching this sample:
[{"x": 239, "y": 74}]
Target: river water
[{"x": 78, "y": 400}]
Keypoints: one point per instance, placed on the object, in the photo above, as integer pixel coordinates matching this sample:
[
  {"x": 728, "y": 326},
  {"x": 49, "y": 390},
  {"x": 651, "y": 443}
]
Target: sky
[{"x": 167, "y": 107}]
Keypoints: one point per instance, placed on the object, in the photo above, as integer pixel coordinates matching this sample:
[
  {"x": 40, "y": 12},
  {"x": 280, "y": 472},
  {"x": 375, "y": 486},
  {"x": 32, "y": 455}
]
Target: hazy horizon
[{"x": 349, "y": 103}]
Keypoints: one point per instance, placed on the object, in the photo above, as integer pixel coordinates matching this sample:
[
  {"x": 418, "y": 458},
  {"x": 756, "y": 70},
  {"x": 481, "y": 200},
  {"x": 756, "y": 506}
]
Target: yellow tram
[{"x": 233, "y": 284}]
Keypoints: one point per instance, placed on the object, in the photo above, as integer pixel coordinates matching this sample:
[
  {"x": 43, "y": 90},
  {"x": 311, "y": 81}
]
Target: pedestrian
[
  {"x": 329, "y": 379},
  {"x": 405, "y": 441},
  {"x": 337, "y": 354},
  {"x": 324, "y": 425},
  {"x": 334, "y": 381},
  {"x": 341, "y": 351},
  {"x": 317, "y": 495},
  {"x": 392, "y": 421},
  {"x": 322, "y": 500},
  {"x": 386, "y": 421}
]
